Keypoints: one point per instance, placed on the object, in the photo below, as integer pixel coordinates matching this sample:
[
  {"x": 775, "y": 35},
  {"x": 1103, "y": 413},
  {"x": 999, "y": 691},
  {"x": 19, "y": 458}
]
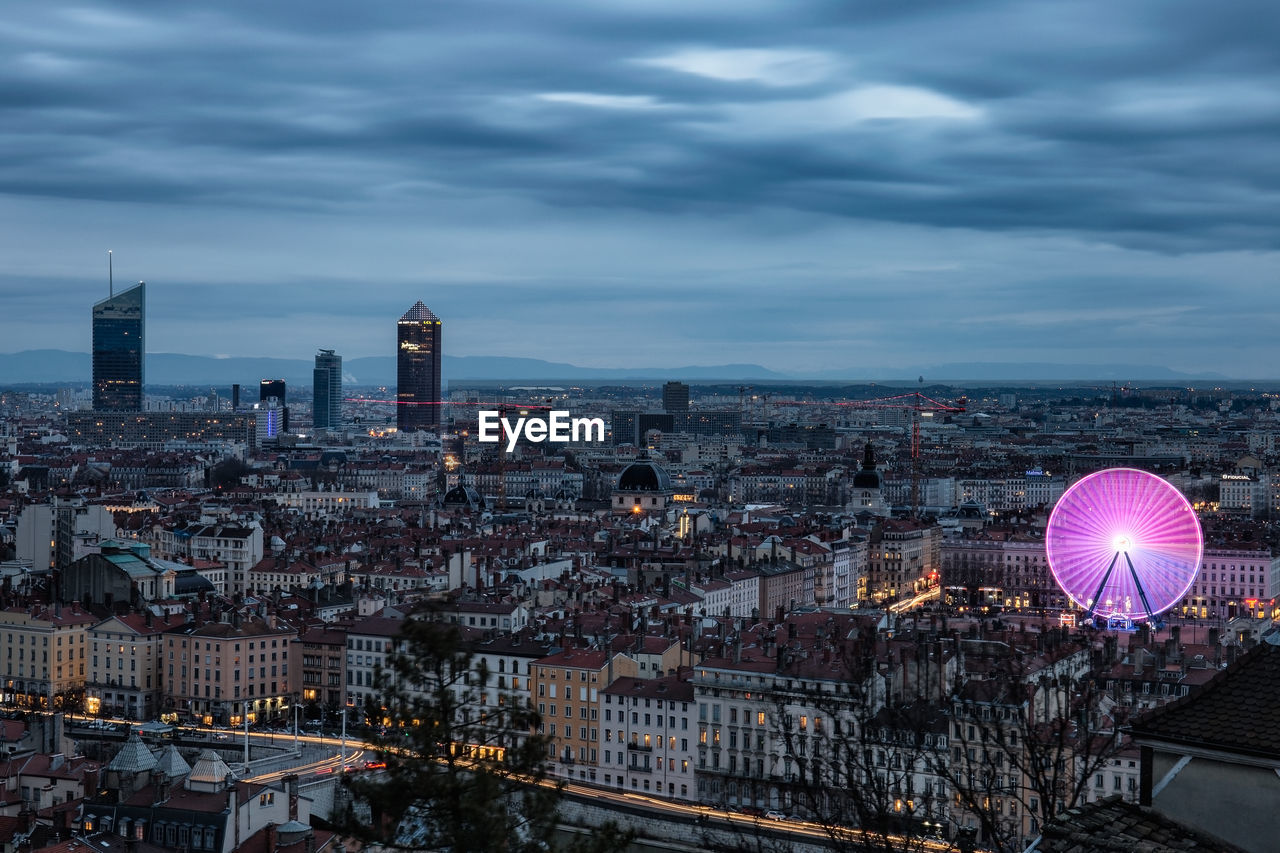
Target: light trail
[{"x": 915, "y": 601}]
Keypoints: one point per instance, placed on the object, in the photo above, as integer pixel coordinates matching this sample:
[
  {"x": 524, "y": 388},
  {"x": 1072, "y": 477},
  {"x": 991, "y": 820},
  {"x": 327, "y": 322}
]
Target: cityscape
[{"x": 639, "y": 427}]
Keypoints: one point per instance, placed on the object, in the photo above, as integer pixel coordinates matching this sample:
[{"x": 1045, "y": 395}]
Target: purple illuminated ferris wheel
[{"x": 1124, "y": 545}]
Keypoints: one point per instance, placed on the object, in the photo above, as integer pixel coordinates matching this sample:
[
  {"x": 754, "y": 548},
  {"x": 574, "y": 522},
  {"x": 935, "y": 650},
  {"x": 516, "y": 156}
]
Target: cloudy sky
[{"x": 803, "y": 185}]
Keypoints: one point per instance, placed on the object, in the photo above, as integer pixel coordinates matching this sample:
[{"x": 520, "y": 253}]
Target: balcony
[{"x": 640, "y": 746}]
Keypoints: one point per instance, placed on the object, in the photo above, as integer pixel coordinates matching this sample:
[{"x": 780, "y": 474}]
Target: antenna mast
[{"x": 111, "y": 279}]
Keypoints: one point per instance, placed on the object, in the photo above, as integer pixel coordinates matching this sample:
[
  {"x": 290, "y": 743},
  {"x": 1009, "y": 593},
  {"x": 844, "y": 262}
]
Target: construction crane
[
  {"x": 914, "y": 402},
  {"x": 742, "y": 406}
]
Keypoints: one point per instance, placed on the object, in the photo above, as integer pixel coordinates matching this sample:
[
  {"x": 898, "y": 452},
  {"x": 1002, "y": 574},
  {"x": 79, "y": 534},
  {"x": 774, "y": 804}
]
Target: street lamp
[{"x": 344, "y": 739}]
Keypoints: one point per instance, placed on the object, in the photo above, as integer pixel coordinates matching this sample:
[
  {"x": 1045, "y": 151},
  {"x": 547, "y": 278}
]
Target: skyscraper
[
  {"x": 274, "y": 389},
  {"x": 327, "y": 390},
  {"x": 119, "y": 349},
  {"x": 269, "y": 388},
  {"x": 418, "y": 348},
  {"x": 675, "y": 397}
]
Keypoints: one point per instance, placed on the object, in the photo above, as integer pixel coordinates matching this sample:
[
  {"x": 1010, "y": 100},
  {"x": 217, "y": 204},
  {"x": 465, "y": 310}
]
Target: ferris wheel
[{"x": 1124, "y": 545}]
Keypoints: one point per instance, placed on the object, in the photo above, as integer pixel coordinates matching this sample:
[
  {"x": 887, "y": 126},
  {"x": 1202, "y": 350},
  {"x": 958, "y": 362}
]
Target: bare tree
[
  {"x": 924, "y": 741},
  {"x": 1025, "y": 739},
  {"x": 460, "y": 774}
]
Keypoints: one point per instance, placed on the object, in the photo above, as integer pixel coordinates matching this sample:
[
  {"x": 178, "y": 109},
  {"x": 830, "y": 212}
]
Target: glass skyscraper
[
  {"x": 326, "y": 381},
  {"x": 119, "y": 350},
  {"x": 418, "y": 349}
]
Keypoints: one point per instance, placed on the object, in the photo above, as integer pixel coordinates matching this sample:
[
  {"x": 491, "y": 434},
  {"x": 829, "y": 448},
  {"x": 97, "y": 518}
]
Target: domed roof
[
  {"x": 867, "y": 480},
  {"x": 461, "y": 495},
  {"x": 868, "y": 477},
  {"x": 643, "y": 476}
]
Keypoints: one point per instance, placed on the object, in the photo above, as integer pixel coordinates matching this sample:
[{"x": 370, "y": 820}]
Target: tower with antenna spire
[{"x": 119, "y": 350}]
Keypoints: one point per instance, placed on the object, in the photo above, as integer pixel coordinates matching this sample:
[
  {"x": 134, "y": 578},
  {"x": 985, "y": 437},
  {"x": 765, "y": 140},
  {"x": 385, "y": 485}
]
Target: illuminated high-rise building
[
  {"x": 119, "y": 350},
  {"x": 326, "y": 387},
  {"x": 270, "y": 389},
  {"x": 418, "y": 349}
]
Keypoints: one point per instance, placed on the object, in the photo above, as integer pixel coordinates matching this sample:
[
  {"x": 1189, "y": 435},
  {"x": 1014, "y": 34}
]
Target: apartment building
[
  {"x": 649, "y": 736},
  {"x": 44, "y": 655},
  {"x": 237, "y": 547},
  {"x": 320, "y": 657},
  {"x": 216, "y": 672},
  {"x": 124, "y": 677},
  {"x": 566, "y": 690}
]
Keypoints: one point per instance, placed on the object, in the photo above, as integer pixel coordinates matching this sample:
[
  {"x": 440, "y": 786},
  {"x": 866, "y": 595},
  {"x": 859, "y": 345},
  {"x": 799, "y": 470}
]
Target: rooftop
[
  {"x": 1235, "y": 712},
  {"x": 1114, "y": 825},
  {"x": 419, "y": 313}
]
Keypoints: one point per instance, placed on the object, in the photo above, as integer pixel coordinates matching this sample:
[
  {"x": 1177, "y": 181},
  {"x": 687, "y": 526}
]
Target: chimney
[{"x": 270, "y": 831}]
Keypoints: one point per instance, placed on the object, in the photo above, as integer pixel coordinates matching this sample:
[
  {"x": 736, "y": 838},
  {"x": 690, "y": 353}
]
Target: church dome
[
  {"x": 868, "y": 477},
  {"x": 643, "y": 476},
  {"x": 463, "y": 496}
]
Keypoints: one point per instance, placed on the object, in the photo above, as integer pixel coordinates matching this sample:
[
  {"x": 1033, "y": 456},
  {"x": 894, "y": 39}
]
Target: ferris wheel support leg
[
  {"x": 1093, "y": 608},
  {"x": 1142, "y": 593}
]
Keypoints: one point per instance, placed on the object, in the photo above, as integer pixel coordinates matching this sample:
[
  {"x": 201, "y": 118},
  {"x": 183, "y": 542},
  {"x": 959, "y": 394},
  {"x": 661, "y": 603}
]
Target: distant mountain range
[
  {"x": 1026, "y": 371},
  {"x": 51, "y": 366},
  {"x": 54, "y": 366}
]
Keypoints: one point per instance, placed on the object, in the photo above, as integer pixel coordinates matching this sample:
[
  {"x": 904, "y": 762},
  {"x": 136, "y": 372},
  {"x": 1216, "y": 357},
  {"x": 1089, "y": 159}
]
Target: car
[
  {"x": 753, "y": 811},
  {"x": 374, "y": 765},
  {"x": 773, "y": 815}
]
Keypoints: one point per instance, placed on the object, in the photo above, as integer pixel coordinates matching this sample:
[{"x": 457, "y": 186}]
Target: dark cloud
[{"x": 578, "y": 160}]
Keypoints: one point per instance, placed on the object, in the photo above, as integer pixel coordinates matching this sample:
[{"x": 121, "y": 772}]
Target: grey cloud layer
[
  {"x": 1051, "y": 180},
  {"x": 1139, "y": 123}
]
